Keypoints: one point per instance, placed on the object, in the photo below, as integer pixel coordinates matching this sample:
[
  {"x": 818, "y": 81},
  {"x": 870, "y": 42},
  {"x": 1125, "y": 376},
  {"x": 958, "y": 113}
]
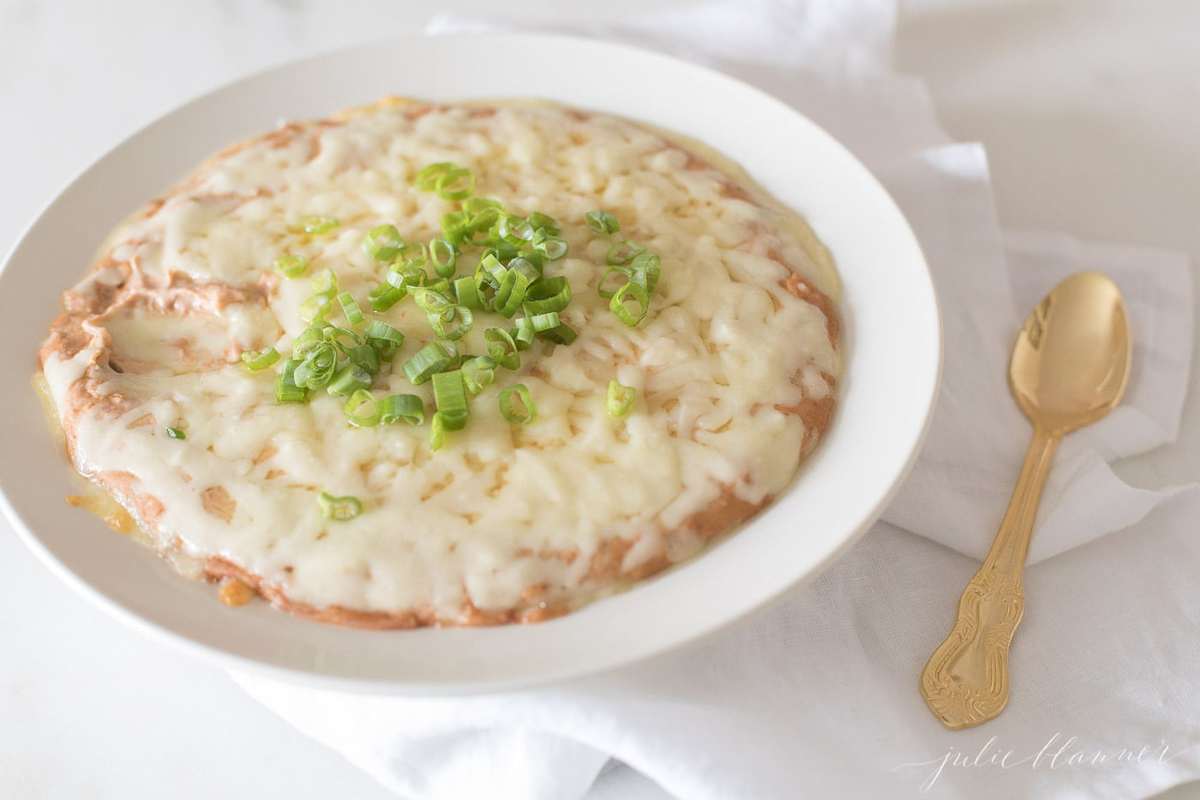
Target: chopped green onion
[
  {"x": 350, "y": 308},
  {"x": 623, "y": 276},
  {"x": 318, "y": 367},
  {"x": 548, "y": 294},
  {"x": 639, "y": 295},
  {"x": 383, "y": 242},
  {"x": 478, "y": 373},
  {"x": 431, "y": 301},
  {"x": 467, "y": 293},
  {"x": 362, "y": 410},
  {"x": 318, "y": 225},
  {"x": 325, "y": 283},
  {"x": 402, "y": 408},
  {"x": 544, "y": 222},
  {"x": 286, "y": 389},
  {"x": 560, "y": 334},
  {"x": 553, "y": 248},
  {"x": 349, "y": 379},
  {"x": 176, "y": 433},
  {"x": 623, "y": 252},
  {"x": 314, "y": 308},
  {"x": 437, "y": 432},
  {"x": 429, "y": 360},
  {"x": 427, "y": 178},
  {"x": 443, "y": 257},
  {"x": 291, "y": 266},
  {"x": 384, "y": 296},
  {"x": 366, "y": 357},
  {"x": 602, "y": 221},
  {"x": 544, "y": 322},
  {"x": 450, "y": 397},
  {"x": 620, "y": 399},
  {"x": 307, "y": 340},
  {"x": 384, "y": 338},
  {"x": 339, "y": 509},
  {"x": 260, "y": 360},
  {"x": 645, "y": 270},
  {"x": 511, "y": 292},
  {"x": 502, "y": 348},
  {"x": 456, "y": 184},
  {"x": 523, "y": 414},
  {"x": 460, "y": 314},
  {"x": 523, "y": 333},
  {"x": 473, "y": 205},
  {"x": 334, "y": 335}
]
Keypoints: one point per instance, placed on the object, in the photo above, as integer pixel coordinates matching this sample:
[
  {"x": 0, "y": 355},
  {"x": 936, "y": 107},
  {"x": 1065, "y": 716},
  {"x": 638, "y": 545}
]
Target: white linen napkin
[{"x": 817, "y": 695}]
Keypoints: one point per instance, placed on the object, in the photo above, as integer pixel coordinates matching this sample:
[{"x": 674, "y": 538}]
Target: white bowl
[{"x": 892, "y": 351}]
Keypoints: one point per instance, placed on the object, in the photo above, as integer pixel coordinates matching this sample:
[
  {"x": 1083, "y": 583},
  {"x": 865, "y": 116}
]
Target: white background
[{"x": 1090, "y": 111}]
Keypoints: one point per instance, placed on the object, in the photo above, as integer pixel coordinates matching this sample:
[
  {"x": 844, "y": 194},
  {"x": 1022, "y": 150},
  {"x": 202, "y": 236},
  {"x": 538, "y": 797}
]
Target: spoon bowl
[{"x": 1071, "y": 361}]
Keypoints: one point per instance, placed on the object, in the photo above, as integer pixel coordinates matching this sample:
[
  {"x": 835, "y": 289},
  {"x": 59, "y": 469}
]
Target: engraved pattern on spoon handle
[{"x": 966, "y": 681}]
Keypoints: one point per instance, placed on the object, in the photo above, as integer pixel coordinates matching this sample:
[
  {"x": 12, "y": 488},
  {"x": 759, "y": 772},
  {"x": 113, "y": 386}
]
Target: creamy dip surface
[{"x": 735, "y": 368}]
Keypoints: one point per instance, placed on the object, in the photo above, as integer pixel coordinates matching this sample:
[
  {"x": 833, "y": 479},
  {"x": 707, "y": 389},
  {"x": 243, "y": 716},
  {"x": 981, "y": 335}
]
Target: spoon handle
[{"x": 966, "y": 680}]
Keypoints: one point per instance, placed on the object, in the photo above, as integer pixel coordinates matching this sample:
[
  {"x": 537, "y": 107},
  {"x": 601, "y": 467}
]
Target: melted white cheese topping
[{"x": 723, "y": 343}]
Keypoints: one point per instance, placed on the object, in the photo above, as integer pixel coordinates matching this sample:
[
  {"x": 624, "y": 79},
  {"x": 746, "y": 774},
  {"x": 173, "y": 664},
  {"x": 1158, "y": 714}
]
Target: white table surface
[{"x": 1090, "y": 111}]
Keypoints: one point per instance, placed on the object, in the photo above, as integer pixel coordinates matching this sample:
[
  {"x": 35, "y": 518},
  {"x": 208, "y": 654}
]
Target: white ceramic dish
[{"x": 892, "y": 353}]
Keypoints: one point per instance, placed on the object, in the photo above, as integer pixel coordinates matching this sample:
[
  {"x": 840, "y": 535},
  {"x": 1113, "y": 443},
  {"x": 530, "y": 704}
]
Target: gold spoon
[{"x": 1069, "y": 369}]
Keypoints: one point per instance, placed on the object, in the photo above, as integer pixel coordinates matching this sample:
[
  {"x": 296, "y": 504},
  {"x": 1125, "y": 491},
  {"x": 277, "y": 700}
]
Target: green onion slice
[
  {"x": 407, "y": 408},
  {"x": 176, "y": 433},
  {"x": 623, "y": 252},
  {"x": 521, "y": 413},
  {"x": 431, "y": 301},
  {"x": 620, "y": 399},
  {"x": 456, "y": 184},
  {"x": 478, "y": 373},
  {"x": 365, "y": 356},
  {"x": 384, "y": 338},
  {"x": 544, "y": 322},
  {"x": 339, "y": 509},
  {"x": 318, "y": 366},
  {"x": 291, "y": 266},
  {"x": 256, "y": 361},
  {"x": 560, "y": 334},
  {"x": 383, "y": 243},
  {"x": 429, "y": 360},
  {"x": 544, "y": 222},
  {"x": 645, "y": 270},
  {"x": 473, "y": 205},
  {"x": 437, "y": 432},
  {"x": 286, "y": 389},
  {"x": 553, "y": 248},
  {"x": 349, "y": 379},
  {"x": 325, "y": 283},
  {"x": 467, "y": 293},
  {"x": 502, "y": 348},
  {"x": 350, "y": 308},
  {"x": 523, "y": 333},
  {"x": 548, "y": 294},
  {"x": 450, "y": 397},
  {"x": 511, "y": 292},
  {"x": 383, "y": 296},
  {"x": 314, "y": 308},
  {"x": 639, "y": 295},
  {"x": 460, "y": 322},
  {"x": 362, "y": 410},
  {"x": 602, "y": 288},
  {"x": 443, "y": 257},
  {"x": 602, "y": 221},
  {"x": 427, "y": 178},
  {"x": 318, "y": 225}
]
